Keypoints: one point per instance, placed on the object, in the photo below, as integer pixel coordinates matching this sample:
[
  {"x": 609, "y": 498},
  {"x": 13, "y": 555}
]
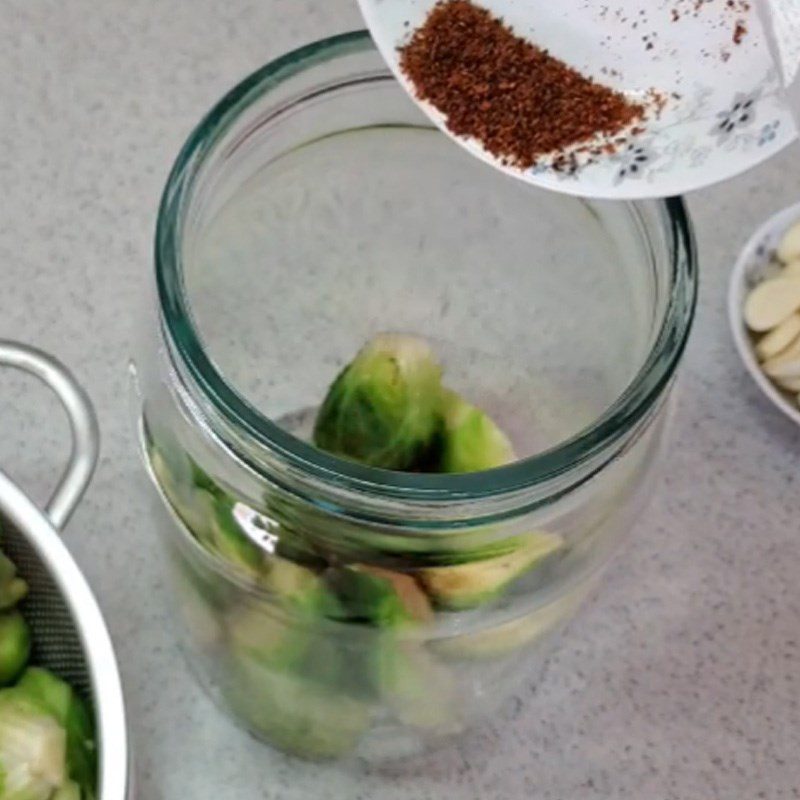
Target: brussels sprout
[
  {"x": 294, "y": 525},
  {"x": 231, "y": 542},
  {"x": 283, "y": 638},
  {"x": 382, "y": 409},
  {"x": 12, "y": 588},
  {"x": 33, "y": 763},
  {"x": 205, "y": 508},
  {"x": 194, "y": 506},
  {"x": 202, "y": 480},
  {"x": 469, "y": 585},
  {"x": 501, "y": 640},
  {"x": 57, "y": 698},
  {"x": 418, "y": 689},
  {"x": 415, "y": 602},
  {"x": 301, "y": 591},
  {"x": 300, "y": 716},
  {"x": 297, "y": 586},
  {"x": 69, "y": 791},
  {"x": 260, "y": 635},
  {"x": 471, "y": 441},
  {"x": 15, "y": 645},
  {"x": 378, "y": 597}
]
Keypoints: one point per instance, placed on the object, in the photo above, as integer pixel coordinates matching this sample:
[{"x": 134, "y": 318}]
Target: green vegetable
[
  {"x": 194, "y": 506},
  {"x": 197, "y": 509},
  {"x": 12, "y": 588},
  {"x": 33, "y": 763},
  {"x": 57, "y": 698},
  {"x": 230, "y": 541},
  {"x": 420, "y": 691},
  {"x": 15, "y": 645},
  {"x": 382, "y": 410},
  {"x": 47, "y": 749},
  {"x": 416, "y": 604},
  {"x": 471, "y": 442},
  {"x": 257, "y": 634},
  {"x": 501, "y": 640},
  {"x": 292, "y": 523},
  {"x": 295, "y": 585},
  {"x": 300, "y": 716},
  {"x": 469, "y": 585},
  {"x": 69, "y": 791},
  {"x": 205, "y": 508},
  {"x": 369, "y": 597},
  {"x": 202, "y": 480},
  {"x": 283, "y": 636}
]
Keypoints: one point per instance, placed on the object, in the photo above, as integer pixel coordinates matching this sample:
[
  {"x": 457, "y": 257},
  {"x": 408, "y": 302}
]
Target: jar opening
[{"x": 192, "y": 358}]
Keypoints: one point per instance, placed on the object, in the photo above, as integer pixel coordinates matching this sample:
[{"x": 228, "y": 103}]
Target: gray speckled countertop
[{"x": 680, "y": 681}]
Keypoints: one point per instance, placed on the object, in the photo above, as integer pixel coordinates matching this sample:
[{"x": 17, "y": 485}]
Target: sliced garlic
[
  {"x": 786, "y": 369},
  {"x": 786, "y": 364},
  {"x": 779, "y": 338},
  {"x": 791, "y": 270},
  {"x": 789, "y": 248},
  {"x": 789, "y": 384},
  {"x": 771, "y": 302}
]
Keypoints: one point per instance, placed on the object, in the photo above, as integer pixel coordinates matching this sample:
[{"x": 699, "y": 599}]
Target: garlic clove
[
  {"x": 791, "y": 270},
  {"x": 789, "y": 248},
  {"x": 786, "y": 364},
  {"x": 771, "y": 302},
  {"x": 779, "y": 338},
  {"x": 789, "y": 384}
]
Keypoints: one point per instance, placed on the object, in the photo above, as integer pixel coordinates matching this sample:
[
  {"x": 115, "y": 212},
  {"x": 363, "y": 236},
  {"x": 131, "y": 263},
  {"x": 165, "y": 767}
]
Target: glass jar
[{"x": 335, "y": 608}]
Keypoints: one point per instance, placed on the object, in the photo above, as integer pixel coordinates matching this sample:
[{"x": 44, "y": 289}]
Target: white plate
[
  {"x": 730, "y": 114},
  {"x": 754, "y": 264}
]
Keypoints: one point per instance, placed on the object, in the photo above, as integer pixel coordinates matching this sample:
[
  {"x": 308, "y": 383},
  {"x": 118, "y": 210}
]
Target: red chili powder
[{"x": 520, "y": 102}]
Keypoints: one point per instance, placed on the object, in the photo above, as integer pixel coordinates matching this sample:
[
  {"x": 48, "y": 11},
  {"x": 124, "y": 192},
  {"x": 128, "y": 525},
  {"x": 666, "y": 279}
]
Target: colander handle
[{"x": 82, "y": 422}]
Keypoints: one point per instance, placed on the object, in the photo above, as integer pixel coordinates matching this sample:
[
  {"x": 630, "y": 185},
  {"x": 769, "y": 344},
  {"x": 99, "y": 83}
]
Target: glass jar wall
[{"x": 336, "y": 608}]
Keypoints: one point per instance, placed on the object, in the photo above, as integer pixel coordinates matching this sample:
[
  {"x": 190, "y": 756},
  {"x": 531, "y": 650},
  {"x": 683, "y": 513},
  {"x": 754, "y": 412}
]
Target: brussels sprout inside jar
[{"x": 398, "y": 408}]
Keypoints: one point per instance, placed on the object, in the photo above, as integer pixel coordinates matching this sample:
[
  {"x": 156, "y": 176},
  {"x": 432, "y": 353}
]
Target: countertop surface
[{"x": 681, "y": 680}]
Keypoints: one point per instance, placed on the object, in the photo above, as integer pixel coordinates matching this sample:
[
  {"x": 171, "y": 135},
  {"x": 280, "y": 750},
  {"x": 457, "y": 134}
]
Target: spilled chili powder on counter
[{"x": 520, "y": 102}]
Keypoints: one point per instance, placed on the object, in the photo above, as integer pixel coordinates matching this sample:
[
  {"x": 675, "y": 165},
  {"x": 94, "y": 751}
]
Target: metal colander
[{"x": 69, "y": 634}]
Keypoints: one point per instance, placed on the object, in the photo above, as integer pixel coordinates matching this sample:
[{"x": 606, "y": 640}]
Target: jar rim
[{"x": 621, "y": 417}]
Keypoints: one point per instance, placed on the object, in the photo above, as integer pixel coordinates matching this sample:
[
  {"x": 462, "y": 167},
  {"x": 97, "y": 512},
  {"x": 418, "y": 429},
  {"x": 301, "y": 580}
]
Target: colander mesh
[{"x": 56, "y": 644}]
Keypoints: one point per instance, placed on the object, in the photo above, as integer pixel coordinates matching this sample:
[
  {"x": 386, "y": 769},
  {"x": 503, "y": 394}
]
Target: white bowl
[
  {"x": 724, "y": 109},
  {"x": 753, "y": 265}
]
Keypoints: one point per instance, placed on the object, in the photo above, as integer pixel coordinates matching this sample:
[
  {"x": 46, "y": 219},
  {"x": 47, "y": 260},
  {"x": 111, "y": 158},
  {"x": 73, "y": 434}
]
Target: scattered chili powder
[
  {"x": 520, "y": 102},
  {"x": 738, "y": 8}
]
